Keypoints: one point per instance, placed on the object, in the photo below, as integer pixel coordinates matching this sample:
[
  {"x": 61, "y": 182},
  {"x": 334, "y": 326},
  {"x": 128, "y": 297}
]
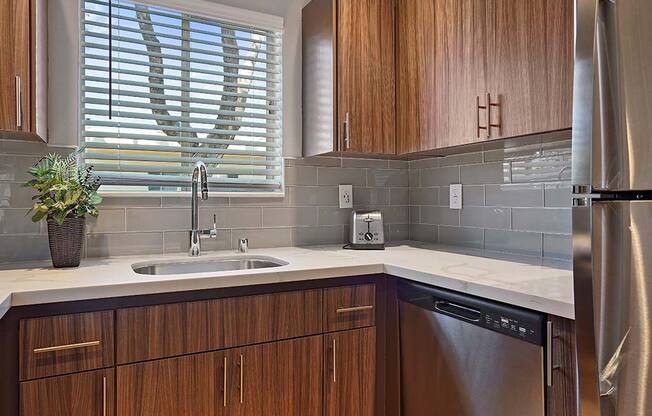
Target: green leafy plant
[{"x": 64, "y": 188}]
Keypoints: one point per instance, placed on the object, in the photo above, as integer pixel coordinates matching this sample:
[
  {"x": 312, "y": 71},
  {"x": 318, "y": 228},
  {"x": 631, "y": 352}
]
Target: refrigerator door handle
[
  {"x": 582, "y": 134},
  {"x": 588, "y": 378}
]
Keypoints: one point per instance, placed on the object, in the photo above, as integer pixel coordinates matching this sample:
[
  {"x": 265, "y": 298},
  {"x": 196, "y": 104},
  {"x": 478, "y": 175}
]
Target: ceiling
[{"x": 275, "y": 7}]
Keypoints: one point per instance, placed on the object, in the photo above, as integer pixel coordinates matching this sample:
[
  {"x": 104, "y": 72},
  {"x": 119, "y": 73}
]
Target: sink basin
[{"x": 207, "y": 265}]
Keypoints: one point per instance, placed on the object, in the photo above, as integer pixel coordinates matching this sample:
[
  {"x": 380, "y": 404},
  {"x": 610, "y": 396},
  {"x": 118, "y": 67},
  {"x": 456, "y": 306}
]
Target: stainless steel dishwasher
[{"x": 466, "y": 356}]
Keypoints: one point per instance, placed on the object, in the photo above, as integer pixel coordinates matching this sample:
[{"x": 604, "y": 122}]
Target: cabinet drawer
[
  {"x": 65, "y": 344},
  {"x": 349, "y": 307},
  {"x": 159, "y": 331},
  {"x": 80, "y": 394}
]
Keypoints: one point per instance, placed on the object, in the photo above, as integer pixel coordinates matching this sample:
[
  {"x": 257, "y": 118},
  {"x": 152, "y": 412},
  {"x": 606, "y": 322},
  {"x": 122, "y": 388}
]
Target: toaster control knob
[{"x": 368, "y": 236}]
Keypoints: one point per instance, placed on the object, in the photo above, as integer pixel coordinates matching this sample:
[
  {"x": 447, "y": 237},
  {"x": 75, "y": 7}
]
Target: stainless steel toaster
[{"x": 367, "y": 230}]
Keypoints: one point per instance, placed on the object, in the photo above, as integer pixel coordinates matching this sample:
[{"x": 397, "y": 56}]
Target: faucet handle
[
  {"x": 243, "y": 245},
  {"x": 213, "y": 232}
]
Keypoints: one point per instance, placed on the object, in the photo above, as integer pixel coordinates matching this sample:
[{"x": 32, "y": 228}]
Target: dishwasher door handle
[{"x": 458, "y": 311}]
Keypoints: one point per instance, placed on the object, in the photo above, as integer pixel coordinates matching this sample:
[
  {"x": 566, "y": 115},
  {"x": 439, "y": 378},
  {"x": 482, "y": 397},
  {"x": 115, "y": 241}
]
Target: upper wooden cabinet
[
  {"x": 530, "y": 62},
  {"x": 441, "y": 68},
  {"x": 474, "y": 70},
  {"x": 348, "y": 77},
  {"x": 23, "y": 68}
]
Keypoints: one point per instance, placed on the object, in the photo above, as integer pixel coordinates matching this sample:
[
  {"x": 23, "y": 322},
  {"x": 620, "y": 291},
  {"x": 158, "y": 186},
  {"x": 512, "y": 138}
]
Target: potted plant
[{"x": 66, "y": 193}]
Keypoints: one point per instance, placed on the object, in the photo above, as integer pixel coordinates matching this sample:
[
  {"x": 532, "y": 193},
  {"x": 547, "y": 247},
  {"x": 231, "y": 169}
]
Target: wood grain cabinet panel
[
  {"x": 415, "y": 76},
  {"x": 561, "y": 394},
  {"x": 65, "y": 344},
  {"x": 278, "y": 378},
  {"x": 188, "y": 385},
  {"x": 167, "y": 330},
  {"x": 159, "y": 331},
  {"x": 441, "y": 71},
  {"x": 349, "y": 307},
  {"x": 530, "y": 63},
  {"x": 365, "y": 75},
  {"x": 23, "y": 39},
  {"x": 81, "y": 394},
  {"x": 349, "y": 382},
  {"x": 263, "y": 318}
]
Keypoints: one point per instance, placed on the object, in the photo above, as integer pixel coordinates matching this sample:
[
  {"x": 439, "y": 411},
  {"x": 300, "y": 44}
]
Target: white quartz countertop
[{"x": 544, "y": 289}]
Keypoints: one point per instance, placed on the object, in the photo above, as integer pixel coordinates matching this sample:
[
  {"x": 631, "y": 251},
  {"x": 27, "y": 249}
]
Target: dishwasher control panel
[
  {"x": 506, "y": 319},
  {"x": 515, "y": 326}
]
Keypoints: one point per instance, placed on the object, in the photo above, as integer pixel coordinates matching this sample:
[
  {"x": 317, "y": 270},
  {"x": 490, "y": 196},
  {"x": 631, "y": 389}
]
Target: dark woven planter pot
[{"x": 66, "y": 241}]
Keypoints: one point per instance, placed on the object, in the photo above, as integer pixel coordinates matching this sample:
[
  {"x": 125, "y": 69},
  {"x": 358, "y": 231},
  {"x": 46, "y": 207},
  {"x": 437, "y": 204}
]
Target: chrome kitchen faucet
[{"x": 199, "y": 175}]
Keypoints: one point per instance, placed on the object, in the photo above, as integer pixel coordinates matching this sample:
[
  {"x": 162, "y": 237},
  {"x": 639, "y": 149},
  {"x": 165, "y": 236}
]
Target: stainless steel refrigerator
[{"x": 612, "y": 206}]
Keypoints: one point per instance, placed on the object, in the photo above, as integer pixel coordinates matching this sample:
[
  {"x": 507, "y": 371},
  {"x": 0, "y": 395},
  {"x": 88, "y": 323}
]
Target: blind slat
[
  {"x": 177, "y": 129},
  {"x": 182, "y": 48},
  {"x": 209, "y": 82},
  {"x": 274, "y": 42},
  {"x": 155, "y": 101},
  {"x": 118, "y": 167},
  {"x": 180, "y": 149},
  {"x": 172, "y": 57},
  {"x": 271, "y": 143},
  {"x": 179, "y": 119},
  {"x": 159, "y": 11},
  {"x": 177, "y": 37},
  {"x": 179, "y": 159},
  {"x": 137, "y": 104}
]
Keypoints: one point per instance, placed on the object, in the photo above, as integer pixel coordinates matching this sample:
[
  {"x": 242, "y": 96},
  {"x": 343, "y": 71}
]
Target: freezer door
[
  {"x": 612, "y": 107},
  {"x": 613, "y": 307},
  {"x": 450, "y": 367}
]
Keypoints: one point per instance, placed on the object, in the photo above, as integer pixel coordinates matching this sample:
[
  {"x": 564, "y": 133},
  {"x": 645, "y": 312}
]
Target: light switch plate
[
  {"x": 346, "y": 196},
  {"x": 455, "y": 196}
]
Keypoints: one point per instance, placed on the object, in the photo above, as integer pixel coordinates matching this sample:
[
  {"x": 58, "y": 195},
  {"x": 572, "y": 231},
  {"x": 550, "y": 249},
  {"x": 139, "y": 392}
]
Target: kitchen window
[{"x": 162, "y": 88}]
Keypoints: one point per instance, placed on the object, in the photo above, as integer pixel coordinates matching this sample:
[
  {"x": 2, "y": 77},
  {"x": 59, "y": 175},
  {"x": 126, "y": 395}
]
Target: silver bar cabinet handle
[
  {"x": 354, "y": 309},
  {"x": 347, "y": 131},
  {"x": 19, "y": 102},
  {"x": 549, "y": 353},
  {"x": 67, "y": 347},
  {"x": 104, "y": 396}
]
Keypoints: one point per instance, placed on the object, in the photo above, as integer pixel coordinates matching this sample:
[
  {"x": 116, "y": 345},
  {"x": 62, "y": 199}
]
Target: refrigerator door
[
  {"x": 612, "y": 107},
  {"x": 612, "y": 247}
]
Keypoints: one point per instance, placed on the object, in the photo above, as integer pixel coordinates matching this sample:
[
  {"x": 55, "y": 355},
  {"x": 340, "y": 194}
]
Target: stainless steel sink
[{"x": 207, "y": 265}]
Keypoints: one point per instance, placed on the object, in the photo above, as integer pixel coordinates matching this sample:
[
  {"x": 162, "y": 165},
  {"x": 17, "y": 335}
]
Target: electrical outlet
[
  {"x": 456, "y": 196},
  {"x": 346, "y": 196}
]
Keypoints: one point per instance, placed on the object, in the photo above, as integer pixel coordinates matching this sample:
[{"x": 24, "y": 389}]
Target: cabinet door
[
  {"x": 460, "y": 71},
  {"x": 365, "y": 73},
  {"x": 441, "y": 71},
  {"x": 351, "y": 373},
  {"x": 188, "y": 385},
  {"x": 81, "y": 394},
  {"x": 530, "y": 65},
  {"x": 278, "y": 378}
]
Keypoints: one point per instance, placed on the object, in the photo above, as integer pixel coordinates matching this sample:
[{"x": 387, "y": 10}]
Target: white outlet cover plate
[
  {"x": 456, "y": 196},
  {"x": 346, "y": 196}
]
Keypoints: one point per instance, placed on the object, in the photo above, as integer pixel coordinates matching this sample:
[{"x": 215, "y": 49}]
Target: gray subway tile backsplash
[
  {"x": 516, "y": 199},
  {"x": 486, "y": 217},
  {"x": 514, "y": 202},
  {"x": 514, "y": 195},
  {"x": 550, "y": 220},
  {"x": 484, "y": 173}
]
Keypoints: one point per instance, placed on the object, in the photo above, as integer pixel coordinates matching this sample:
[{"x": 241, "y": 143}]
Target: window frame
[{"x": 209, "y": 10}]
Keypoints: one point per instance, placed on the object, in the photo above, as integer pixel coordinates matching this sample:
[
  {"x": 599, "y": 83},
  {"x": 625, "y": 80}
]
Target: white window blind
[{"x": 161, "y": 89}]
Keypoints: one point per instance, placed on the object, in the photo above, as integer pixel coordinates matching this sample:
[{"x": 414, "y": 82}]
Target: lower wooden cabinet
[
  {"x": 349, "y": 383},
  {"x": 81, "y": 394},
  {"x": 277, "y": 378},
  {"x": 282, "y": 362},
  {"x": 188, "y": 385}
]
